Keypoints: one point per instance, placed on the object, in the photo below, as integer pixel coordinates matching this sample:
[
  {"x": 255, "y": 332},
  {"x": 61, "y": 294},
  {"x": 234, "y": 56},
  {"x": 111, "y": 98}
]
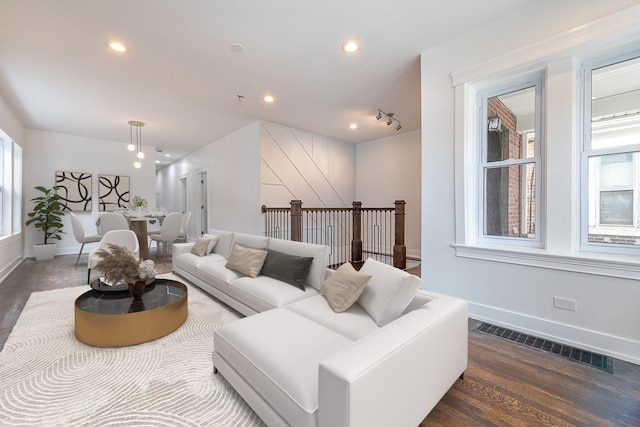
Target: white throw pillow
[
  {"x": 212, "y": 242},
  {"x": 388, "y": 292}
]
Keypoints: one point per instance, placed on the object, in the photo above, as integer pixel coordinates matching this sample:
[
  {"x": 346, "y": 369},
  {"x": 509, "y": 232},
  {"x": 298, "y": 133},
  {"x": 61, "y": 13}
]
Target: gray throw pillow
[{"x": 291, "y": 269}]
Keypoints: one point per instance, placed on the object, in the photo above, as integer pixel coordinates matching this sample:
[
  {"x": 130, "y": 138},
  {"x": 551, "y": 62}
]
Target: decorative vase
[
  {"x": 137, "y": 211},
  {"x": 136, "y": 288}
]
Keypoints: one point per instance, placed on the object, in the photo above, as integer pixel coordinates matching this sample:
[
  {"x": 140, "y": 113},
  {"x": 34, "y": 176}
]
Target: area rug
[{"x": 49, "y": 378}]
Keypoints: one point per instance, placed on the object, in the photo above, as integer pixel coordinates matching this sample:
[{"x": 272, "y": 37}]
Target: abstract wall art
[
  {"x": 113, "y": 192},
  {"x": 74, "y": 189}
]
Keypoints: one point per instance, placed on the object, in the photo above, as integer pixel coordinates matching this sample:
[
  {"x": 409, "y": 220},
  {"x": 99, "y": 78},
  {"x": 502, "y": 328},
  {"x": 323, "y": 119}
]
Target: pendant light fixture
[{"x": 135, "y": 141}]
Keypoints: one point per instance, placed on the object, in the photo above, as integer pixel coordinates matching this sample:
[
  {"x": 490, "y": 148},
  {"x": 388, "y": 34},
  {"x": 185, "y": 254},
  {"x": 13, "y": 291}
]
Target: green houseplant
[{"x": 46, "y": 216}]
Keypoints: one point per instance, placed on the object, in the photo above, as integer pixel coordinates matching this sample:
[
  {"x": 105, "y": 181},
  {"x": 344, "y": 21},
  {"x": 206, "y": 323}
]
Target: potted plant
[{"x": 46, "y": 216}]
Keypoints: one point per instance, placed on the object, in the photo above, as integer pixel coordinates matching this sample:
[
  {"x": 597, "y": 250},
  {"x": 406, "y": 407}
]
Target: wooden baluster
[
  {"x": 296, "y": 220},
  {"x": 399, "y": 249},
  {"x": 356, "y": 243}
]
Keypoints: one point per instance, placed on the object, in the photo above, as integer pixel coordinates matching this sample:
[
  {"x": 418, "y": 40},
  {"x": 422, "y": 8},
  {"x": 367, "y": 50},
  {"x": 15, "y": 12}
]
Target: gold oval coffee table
[{"x": 115, "y": 319}]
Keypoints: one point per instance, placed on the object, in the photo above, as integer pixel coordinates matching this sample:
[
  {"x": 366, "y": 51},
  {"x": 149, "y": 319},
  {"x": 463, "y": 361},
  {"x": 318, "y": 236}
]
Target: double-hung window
[
  {"x": 510, "y": 163},
  {"x": 611, "y": 157}
]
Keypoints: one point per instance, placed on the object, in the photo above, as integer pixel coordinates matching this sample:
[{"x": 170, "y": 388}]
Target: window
[
  {"x": 10, "y": 186},
  {"x": 566, "y": 195},
  {"x": 611, "y": 156},
  {"x": 509, "y": 164}
]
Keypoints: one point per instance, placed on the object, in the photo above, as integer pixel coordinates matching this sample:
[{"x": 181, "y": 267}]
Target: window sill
[{"x": 620, "y": 266}]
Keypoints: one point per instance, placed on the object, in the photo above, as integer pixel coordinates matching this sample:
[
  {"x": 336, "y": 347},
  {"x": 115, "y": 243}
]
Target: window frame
[
  {"x": 535, "y": 79},
  {"x": 586, "y": 151}
]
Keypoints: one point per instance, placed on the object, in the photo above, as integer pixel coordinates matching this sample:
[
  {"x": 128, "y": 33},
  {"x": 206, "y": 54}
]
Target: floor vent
[{"x": 596, "y": 360}]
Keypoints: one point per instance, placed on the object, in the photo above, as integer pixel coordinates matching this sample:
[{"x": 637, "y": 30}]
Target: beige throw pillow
[
  {"x": 344, "y": 287},
  {"x": 247, "y": 261},
  {"x": 200, "y": 247}
]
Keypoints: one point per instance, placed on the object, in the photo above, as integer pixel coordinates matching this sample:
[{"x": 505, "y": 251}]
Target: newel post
[
  {"x": 399, "y": 249},
  {"x": 356, "y": 242},
  {"x": 296, "y": 220}
]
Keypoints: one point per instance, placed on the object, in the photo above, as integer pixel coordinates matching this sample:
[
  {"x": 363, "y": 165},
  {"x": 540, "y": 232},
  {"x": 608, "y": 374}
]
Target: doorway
[{"x": 203, "y": 224}]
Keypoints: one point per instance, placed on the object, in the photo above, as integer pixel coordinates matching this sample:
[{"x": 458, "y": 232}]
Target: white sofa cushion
[
  {"x": 217, "y": 275},
  {"x": 353, "y": 323},
  {"x": 250, "y": 241},
  {"x": 388, "y": 292},
  {"x": 264, "y": 293},
  {"x": 319, "y": 253},
  {"x": 281, "y": 367},
  {"x": 191, "y": 263}
]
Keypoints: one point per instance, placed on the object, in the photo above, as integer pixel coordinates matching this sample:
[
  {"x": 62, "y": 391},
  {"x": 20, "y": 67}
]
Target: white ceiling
[{"x": 181, "y": 78}]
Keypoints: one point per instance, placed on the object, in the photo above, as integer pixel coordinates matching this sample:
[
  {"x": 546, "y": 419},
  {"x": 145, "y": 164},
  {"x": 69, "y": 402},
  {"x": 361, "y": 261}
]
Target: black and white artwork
[
  {"x": 74, "y": 189},
  {"x": 113, "y": 192}
]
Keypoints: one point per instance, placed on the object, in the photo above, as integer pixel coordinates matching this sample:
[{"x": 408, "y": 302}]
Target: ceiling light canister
[
  {"x": 269, "y": 98},
  {"x": 350, "y": 46},
  {"x": 117, "y": 46}
]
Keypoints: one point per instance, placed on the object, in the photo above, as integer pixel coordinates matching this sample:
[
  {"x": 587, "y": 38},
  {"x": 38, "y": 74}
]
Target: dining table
[{"x": 139, "y": 226}]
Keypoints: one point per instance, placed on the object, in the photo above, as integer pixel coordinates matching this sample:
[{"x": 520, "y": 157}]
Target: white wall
[
  {"x": 11, "y": 247},
  {"x": 233, "y": 172},
  {"x": 513, "y": 295},
  {"x": 389, "y": 169},
  {"x": 48, "y": 152}
]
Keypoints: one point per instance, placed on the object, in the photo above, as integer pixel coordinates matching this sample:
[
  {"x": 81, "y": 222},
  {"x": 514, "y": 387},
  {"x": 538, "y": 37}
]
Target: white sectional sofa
[{"x": 297, "y": 362}]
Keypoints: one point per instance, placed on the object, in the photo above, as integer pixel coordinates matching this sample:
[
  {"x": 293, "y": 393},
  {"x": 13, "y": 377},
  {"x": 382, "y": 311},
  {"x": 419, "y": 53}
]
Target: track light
[{"x": 390, "y": 118}]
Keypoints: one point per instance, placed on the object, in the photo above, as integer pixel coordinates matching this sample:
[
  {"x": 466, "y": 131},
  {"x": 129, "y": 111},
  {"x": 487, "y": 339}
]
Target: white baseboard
[
  {"x": 594, "y": 341},
  {"x": 8, "y": 269}
]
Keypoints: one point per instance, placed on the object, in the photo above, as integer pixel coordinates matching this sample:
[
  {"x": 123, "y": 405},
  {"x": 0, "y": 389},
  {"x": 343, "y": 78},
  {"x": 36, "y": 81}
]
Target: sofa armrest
[
  {"x": 179, "y": 249},
  {"x": 396, "y": 375}
]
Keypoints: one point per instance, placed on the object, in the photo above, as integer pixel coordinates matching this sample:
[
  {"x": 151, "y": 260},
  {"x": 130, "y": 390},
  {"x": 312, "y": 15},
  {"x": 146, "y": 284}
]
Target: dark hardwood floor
[{"x": 505, "y": 384}]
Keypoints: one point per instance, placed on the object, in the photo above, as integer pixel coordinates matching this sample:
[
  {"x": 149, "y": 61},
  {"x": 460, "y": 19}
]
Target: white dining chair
[
  {"x": 111, "y": 221},
  {"x": 169, "y": 232},
  {"x": 78, "y": 233},
  {"x": 184, "y": 227},
  {"x": 125, "y": 238}
]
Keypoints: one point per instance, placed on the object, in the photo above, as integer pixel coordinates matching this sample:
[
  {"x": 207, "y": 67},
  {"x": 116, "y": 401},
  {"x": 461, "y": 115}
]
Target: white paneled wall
[{"x": 299, "y": 165}]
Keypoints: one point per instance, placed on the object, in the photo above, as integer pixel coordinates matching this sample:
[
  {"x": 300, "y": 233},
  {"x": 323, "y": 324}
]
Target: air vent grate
[{"x": 596, "y": 360}]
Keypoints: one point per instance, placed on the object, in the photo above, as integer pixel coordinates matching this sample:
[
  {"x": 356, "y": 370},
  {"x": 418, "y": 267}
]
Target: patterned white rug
[{"x": 48, "y": 378}]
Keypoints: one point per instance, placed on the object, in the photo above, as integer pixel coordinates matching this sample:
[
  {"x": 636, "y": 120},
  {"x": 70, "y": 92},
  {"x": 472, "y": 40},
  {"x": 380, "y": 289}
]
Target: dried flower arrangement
[{"x": 118, "y": 264}]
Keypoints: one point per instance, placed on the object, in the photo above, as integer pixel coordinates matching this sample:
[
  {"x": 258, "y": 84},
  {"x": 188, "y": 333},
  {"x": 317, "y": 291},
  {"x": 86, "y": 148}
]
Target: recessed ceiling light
[
  {"x": 117, "y": 46},
  {"x": 268, "y": 98},
  {"x": 157, "y": 161},
  {"x": 167, "y": 155},
  {"x": 350, "y": 47},
  {"x": 236, "y": 47},
  {"x": 353, "y": 126}
]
